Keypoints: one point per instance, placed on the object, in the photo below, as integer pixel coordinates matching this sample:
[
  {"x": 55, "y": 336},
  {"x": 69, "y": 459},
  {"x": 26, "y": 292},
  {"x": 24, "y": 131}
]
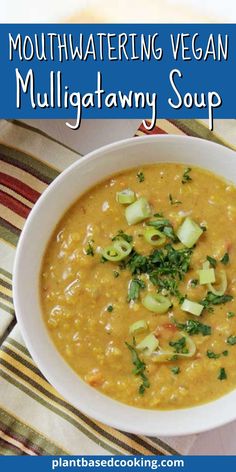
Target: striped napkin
[{"x": 34, "y": 418}]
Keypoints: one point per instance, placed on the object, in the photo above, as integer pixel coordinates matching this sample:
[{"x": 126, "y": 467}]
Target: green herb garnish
[
  {"x": 222, "y": 374},
  {"x": 225, "y": 259},
  {"x": 175, "y": 370},
  {"x": 230, "y": 314},
  {"x": 134, "y": 288},
  {"x": 110, "y": 308},
  {"x": 116, "y": 273},
  {"x": 173, "y": 201},
  {"x": 231, "y": 340},
  {"x": 89, "y": 249},
  {"x": 212, "y": 355},
  {"x": 225, "y": 353},
  {"x": 122, "y": 235},
  {"x": 212, "y": 299},
  {"x": 166, "y": 267},
  {"x": 140, "y": 368},
  {"x": 212, "y": 261},
  {"x": 179, "y": 346},
  {"x": 194, "y": 327},
  {"x": 140, "y": 177},
  {"x": 186, "y": 177}
]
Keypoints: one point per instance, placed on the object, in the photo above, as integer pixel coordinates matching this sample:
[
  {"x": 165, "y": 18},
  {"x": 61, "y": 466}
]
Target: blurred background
[{"x": 130, "y": 11}]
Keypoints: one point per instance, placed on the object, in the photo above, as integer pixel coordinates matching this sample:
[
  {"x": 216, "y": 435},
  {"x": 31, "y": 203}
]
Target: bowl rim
[{"x": 84, "y": 408}]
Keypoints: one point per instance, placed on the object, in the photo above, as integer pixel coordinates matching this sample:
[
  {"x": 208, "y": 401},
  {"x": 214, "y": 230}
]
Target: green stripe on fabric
[
  {"x": 199, "y": 130},
  {"x": 55, "y": 410},
  {"x": 9, "y": 233},
  {"x": 5, "y": 273},
  {"x": 29, "y": 437},
  {"x": 28, "y": 163},
  {"x": 153, "y": 449},
  {"x": 165, "y": 446},
  {"x": 26, "y": 363},
  {"x": 6, "y": 297},
  {"x": 8, "y": 309},
  {"x": 142, "y": 442},
  {"x": 19, "y": 346},
  {"x": 5, "y": 284}
]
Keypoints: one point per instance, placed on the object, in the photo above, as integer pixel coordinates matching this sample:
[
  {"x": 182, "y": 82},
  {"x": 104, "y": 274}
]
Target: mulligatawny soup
[{"x": 138, "y": 286}]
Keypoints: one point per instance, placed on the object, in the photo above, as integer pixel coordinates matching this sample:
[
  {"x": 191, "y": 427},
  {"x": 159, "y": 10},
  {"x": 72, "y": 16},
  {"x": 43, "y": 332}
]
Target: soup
[{"x": 138, "y": 283}]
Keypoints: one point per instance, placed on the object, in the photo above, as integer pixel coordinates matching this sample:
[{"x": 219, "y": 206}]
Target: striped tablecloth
[{"x": 34, "y": 418}]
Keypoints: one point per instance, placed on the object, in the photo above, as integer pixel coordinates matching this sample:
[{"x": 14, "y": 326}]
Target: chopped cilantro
[
  {"x": 212, "y": 261},
  {"x": 173, "y": 201},
  {"x": 212, "y": 355},
  {"x": 140, "y": 368},
  {"x": 116, "y": 274},
  {"x": 225, "y": 259},
  {"x": 230, "y": 314},
  {"x": 179, "y": 346},
  {"x": 194, "y": 327},
  {"x": 231, "y": 340},
  {"x": 212, "y": 299},
  {"x": 89, "y": 249},
  {"x": 186, "y": 177},
  {"x": 222, "y": 374},
  {"x": 225, "y": 353},
  {"x": 175, "y": 370},
  {"x": 166, "y": 267},
  {"x": 140, "y": 176},
  {"x": 122, "y": 235},
  {"x": 110, "y": 308},
  {"x": 134, "y": 289}
]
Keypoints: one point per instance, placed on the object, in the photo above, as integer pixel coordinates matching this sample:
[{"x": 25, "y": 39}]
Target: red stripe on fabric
[
  {"x": 7, "y": 445},
  {"x": 19, "y": 187},
  {"x": 14, "y": 205},
  {"x": 20, "y": 439},
  {"x": 155, "y": 130}
]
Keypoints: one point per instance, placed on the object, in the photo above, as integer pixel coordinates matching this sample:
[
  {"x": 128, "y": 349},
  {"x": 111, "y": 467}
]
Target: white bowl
[{"x": 86, "y": 172}]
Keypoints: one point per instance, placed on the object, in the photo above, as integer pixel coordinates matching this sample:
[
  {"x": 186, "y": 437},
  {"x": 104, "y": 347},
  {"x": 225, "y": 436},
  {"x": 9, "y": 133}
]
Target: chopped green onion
[
  {"x": 137, "y": 211},
  {"x": 138, "y": 327},
  {"x": 189, "y": 232},
  {"x": 125, "y": 197},
  {"x": 192, "y": 307},
  {"x": 206, "y": 276},
  {"x": 156, "y": 303},
  {"x": 148, "y": 345},
  {"x": 223, "y": 284},
  {"x": 118, "y": 251},
  {"x": 154, "y": 237}
]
